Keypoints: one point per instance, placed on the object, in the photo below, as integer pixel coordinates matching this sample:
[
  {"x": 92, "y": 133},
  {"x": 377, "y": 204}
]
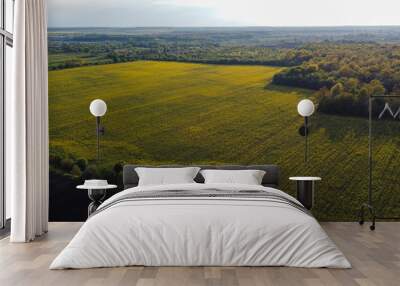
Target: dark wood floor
[{"x": 375, "y": 257}]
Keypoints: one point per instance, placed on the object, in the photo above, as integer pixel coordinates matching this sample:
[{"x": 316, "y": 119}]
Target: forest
[
  {"x": 346, "y": 75},
  {"x": 259, "y": 46}
]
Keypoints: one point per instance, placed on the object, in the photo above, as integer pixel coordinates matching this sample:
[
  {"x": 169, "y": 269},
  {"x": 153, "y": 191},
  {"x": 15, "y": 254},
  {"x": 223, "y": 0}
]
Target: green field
[{"x": 166, "y": 112}]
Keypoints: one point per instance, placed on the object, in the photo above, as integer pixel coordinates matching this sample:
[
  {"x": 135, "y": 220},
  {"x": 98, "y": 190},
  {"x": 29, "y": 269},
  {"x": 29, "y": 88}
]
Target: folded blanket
[{"x": 207, "y": 193}]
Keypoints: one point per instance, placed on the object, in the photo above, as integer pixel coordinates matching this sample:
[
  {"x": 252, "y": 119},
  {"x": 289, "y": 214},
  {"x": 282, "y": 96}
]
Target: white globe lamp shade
[
  {"x": 305, "y": 108},
  {"x": 98, "y": 107}
]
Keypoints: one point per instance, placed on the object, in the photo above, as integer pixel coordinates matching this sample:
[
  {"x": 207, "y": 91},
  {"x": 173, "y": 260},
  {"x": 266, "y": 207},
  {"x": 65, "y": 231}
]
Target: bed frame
[{"x": 271, "y": 177}]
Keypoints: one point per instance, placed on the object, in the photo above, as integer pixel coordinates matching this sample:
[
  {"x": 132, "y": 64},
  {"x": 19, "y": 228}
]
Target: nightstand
[
  {"x": 96, "y": 195},
  {"x": 305, "y": 190}
]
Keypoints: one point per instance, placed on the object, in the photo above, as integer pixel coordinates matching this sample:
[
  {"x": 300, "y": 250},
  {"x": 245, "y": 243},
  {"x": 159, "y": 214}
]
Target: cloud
[
  {"x": 63, "y": 13},
  {"x": 222, "y": 12},
  {"x": 187, "y": 3}
]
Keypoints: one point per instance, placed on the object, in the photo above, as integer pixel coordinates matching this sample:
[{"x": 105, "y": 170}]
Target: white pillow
[
  {"x": 166, "y": 176},
  {"x": 247, "y": 177}
]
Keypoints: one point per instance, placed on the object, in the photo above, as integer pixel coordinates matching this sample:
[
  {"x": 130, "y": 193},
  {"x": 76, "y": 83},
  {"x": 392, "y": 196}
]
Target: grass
[{"x": 166, "y": 112}]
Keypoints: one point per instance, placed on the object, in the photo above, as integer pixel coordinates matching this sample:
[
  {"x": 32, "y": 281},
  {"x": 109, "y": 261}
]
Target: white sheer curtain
[{"x": 27, "y": 124}]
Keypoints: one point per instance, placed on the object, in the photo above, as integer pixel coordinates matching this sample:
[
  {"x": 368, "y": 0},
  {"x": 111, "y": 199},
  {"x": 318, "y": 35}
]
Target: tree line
[
  {"x": 69, "y": 54},
  {"x": 346, "y": 75}
]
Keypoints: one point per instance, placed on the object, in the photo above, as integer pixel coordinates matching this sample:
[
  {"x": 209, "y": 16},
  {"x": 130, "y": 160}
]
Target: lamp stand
[
  {"x": 98, "y": 137},
  {"x": 306, "y": 139}
]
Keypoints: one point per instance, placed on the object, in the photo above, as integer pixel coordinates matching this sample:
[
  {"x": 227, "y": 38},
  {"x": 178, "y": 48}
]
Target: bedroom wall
[{"x": 222, "y": 96}]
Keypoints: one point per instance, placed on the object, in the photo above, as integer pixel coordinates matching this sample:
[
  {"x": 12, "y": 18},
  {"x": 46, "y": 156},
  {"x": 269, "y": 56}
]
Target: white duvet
[{"x": 202, "y": 232}]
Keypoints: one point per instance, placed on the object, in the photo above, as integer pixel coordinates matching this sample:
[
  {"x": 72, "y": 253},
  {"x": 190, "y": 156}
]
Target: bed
[{"x": 199, "y": 224}]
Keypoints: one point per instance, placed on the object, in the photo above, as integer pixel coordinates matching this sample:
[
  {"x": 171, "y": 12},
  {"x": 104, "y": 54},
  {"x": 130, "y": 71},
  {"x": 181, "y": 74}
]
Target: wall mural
[{"x": 226, "y": 96}]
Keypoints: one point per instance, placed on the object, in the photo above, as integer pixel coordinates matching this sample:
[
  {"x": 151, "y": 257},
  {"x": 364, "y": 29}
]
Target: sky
[{"x": 200, "y": 13}]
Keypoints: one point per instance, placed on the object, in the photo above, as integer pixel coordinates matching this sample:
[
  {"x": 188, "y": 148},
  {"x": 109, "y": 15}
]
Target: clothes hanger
[{"x": 388, "y": 109}]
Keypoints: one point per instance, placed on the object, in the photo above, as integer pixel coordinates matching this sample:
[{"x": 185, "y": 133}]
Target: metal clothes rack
[{"x": 369, "y": 204}]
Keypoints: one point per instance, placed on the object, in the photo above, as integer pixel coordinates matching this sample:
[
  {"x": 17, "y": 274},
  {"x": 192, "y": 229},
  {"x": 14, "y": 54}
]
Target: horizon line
[{"x": 233, "y": 26}]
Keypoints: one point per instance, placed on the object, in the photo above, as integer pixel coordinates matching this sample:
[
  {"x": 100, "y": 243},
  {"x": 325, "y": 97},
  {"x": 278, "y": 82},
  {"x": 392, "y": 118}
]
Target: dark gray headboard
[{"x": 271, "y": 178}]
